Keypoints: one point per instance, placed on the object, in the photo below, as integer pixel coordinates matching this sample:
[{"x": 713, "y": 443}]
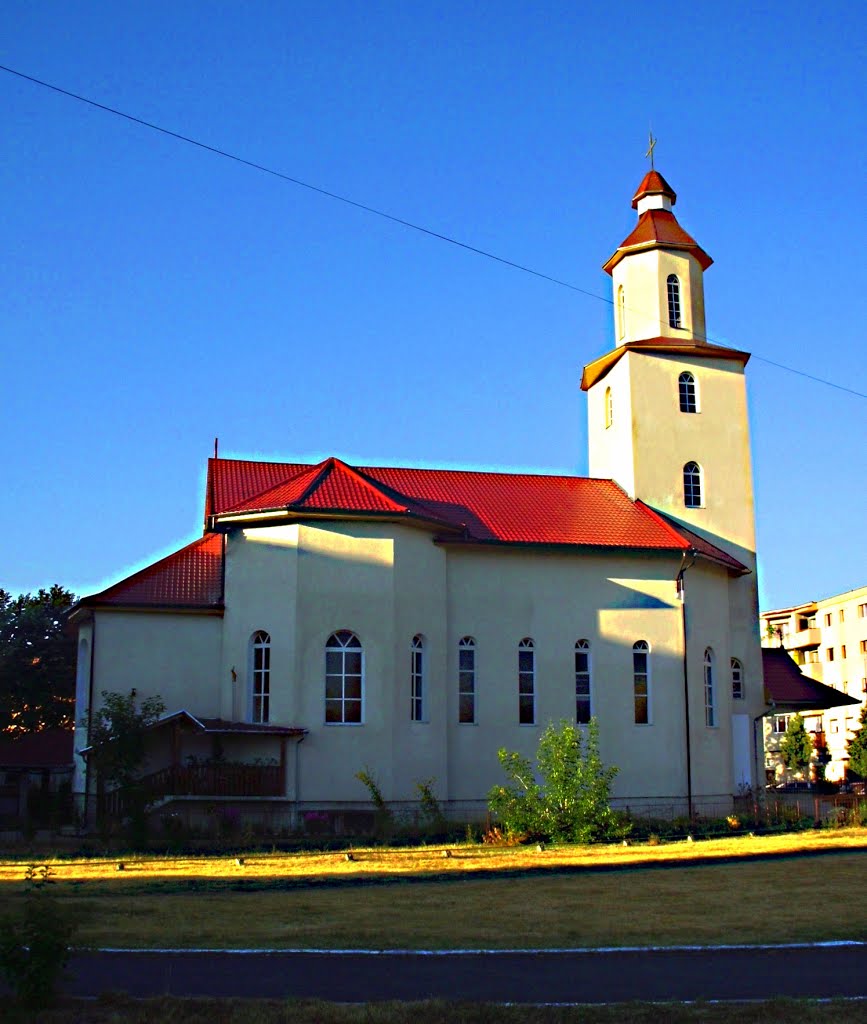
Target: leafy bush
[
  {"x": 431, "y": 813},
  {"x": 34, "y": 943},
  {"x": 384, "y": 819},
  {"x": 571, "y": 802}
]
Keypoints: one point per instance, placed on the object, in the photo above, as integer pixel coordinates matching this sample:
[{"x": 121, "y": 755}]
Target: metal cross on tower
[{"x": 649, "y": 152}]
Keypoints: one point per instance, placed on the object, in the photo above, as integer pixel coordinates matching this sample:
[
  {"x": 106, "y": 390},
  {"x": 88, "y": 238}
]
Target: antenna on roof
[{"x": 216, "y": 447}]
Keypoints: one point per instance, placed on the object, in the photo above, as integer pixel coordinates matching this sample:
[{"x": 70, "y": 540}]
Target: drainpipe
[{"x": 681, "y": 589}]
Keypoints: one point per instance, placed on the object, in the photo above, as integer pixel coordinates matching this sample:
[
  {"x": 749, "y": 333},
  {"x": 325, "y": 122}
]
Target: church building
[{"x": 414, "y": 621}]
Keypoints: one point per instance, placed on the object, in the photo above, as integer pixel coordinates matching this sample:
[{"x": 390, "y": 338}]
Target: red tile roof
[
  {"x": 189, "y": 578},
  {"x": 658, "y": 229},
  {"x": 788, "y": 689},
  {"x": 653, "y": 183},
  {"x": 51, "y": 748}
]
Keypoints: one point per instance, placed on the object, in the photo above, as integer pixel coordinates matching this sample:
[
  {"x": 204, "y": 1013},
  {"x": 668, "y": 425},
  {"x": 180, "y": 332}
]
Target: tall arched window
[
  {"x": 583, "y": 708},
  {"x": 737, "y": 680},
  {"x": 260, "y": 676},
  {"x": 687, "y": 392},
  {"x": 467, "y": 680},
  {"x": 692, "y": 488},
  {"x": 344, "y": 679},
  {"x": 621, "y": 312},
  {"x": 674, "y": 301},
  {"x": 641, "y": 681},
  {"x": 417, "y": 679},
  {"x": 709, "y": 693},
  {"x": 609, "y": 408},
  {"x": 526, "y": 682}
]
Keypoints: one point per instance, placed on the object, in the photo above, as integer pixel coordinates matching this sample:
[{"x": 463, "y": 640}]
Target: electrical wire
[{"x": 216, "y": 151}]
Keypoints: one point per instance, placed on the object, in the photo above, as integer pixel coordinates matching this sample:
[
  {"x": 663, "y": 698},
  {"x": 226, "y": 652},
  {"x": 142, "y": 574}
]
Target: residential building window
[
  {"x": 862, "y": 611},
  {"x": 842, "y": 615},
  {"x": 621, "y": 312},
  {"x": 864, "y": 646},
  {"x": 344, "y": 679},
  {"x": 674, "y": 301},
  {"x": 737, "y": 680},
  {"x": 416, "y": 655},
  {"x": 843, "y": 651},
  {"x": 812, "y": 657},
  {"x": 526, "y": 682},
  {"x": 827, "y": 618},
  {"x": 467, "y": 680},
  {"x": 583, "y": 704},
  {"x": 835, "y": 725},
  {"x": 829, "y": 653},
  {"x": 692, "y": 485},
  {"x": 781, "y": 723},
  {"x": 609, "y": 408},
  {"x": 260, "y": 676},
  {"x": 709, "y": 694},
  {"x": 850, "y": 725},
  {"x": 687, "y": 392},
  {"x": 641, "y": 681},
  {"x": 864, "y": 685}
]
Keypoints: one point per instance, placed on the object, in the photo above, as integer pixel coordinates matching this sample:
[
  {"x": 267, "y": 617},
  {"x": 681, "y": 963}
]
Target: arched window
[
  {"x": 692, "y": 488},
  {"x": 344, "y": 679},
  {"x": 709, "y": 694},
  {"x": 621, "y": 312},
  {"x": 674, "y": 301},
  {"x": 583, "y": 706},
  {"x": 467, "y": 680},
  {"x": 260, "y": 676},
  {"x": 641, "y": 681},
  {"x": 737, "y": 680},
  {"x": 687, "y": 392},
  {"x": 609, "y": 408},
  {"x": 417, "y": 679},
  {"x": 526, "y": 682}
]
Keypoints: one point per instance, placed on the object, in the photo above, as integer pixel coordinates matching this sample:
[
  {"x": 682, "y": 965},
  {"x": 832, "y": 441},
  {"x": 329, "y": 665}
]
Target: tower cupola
[{"x": 657, "y": 271}]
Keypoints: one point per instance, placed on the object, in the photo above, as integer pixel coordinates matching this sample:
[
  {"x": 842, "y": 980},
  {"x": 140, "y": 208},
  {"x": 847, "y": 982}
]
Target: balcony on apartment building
[{"x": 809, "y": 637}]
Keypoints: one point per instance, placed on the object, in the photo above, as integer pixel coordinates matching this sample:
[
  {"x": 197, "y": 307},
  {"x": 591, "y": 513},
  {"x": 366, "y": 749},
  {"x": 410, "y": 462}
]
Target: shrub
[
  {"x": 34, "y": 943},
  {"x": 571, "y": 802},
  {"x": 431, "y": 813},
  {"x": 383, "y": 818}
]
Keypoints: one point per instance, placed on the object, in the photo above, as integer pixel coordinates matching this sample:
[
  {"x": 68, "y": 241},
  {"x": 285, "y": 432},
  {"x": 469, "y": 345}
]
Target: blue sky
[{"x": 154, "y": 295}]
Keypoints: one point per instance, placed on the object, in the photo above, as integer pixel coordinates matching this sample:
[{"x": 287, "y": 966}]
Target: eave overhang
[{"x": 596, "y": 370}]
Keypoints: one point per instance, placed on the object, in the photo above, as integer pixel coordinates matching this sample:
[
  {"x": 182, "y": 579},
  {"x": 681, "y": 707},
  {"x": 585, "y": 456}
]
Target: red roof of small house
[
  {"x": 51, "y": 748},
  {"x": 652, "y": 184},
  {"x": 189, "y": 578},
  {"x": 788, "y": 689},
  {"x": 657, "y": 229}
]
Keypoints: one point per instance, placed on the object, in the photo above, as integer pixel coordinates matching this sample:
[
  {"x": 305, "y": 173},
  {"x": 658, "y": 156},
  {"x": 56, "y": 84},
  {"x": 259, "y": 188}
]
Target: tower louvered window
[
  {"x": 687, "y": 392},
  {"x": 674, "y": 319}
]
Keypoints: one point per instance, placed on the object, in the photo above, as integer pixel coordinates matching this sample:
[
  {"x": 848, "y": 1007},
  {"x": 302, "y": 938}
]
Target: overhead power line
[{"x": 217, "y": 151}]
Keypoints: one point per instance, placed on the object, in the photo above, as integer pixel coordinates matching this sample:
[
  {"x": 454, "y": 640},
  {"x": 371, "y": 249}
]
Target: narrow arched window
[
  {"x": 674, "y": 301},
  {"x": 709, "y": 693},
  {"x": 526, "y": 682},
  {"x": 692, "y": 488},
  {"x": 583, "y": 706},
  {"x": 687, "y": 392},
  {"x": 260, "y": 676},
  {"x": 737, "y": 680},
  {"x": 344, "y": 679},
  {"x": 467, "y": 680},
  {"x": 417, "y": 679},
  {"x": 609, "y": 408},
  {"x": 621, "y": 312},
  {"x": 641, "y": 681}
]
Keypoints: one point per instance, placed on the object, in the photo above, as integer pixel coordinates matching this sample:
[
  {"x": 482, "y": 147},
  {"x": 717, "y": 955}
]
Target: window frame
[
  {"x": 710, "y": 709},
  {"x": 641, "y": 682},
  {"x": 582, "y": 651},
  {"x": 693, "y": 485},
  {"x": 687, "y": 392},
  {"x": 675, "y": 313},
  {"x": 609, "y": 408},
  {"x": 467, "y": 680},
  {"x": 259, "y": 691},
  {"x": 527, "y": 681},
  {"x": 343, "y": 648},
  {"x": 418, "y": 704},
  {"x": 737, "y": 679},
  {"x": 621, "y": 313}
]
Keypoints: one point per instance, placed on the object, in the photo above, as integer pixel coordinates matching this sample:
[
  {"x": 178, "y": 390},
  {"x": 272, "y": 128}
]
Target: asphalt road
[{"x": 585, "y": 977}]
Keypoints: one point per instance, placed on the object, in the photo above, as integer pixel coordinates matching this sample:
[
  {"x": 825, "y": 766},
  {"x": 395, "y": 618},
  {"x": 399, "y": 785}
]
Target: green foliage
[
  {"x": 571, "y": 802},
  {"x": 431, "y": 812},
  {"x": 34, "y": 943},
  {"x": 858, "y": 748},
  {"x": 384, "y": 819},
  {"x": 37, "y": 661},
  {"x": 796, "y": 748}
]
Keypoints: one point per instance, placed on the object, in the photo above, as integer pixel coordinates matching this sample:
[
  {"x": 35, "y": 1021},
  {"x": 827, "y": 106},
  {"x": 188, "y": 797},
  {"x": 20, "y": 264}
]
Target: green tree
[
  {"x": 796, "y": 747},
  {"x": 858, "y": 748},
  {"x": 37, "y": 661},
  {"x": 565, "y": 797},
  {"x": 117, "y": 742}
]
